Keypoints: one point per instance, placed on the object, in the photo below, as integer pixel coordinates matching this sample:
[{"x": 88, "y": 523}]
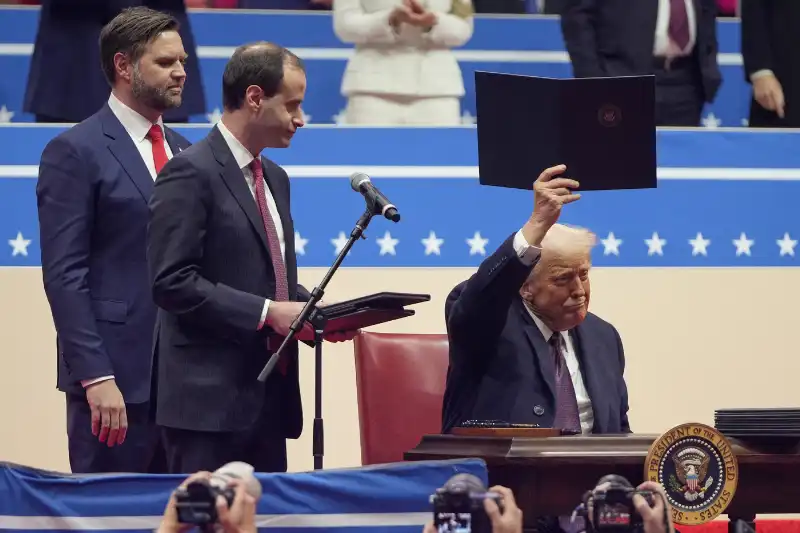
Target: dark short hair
[
  {"x": 260, "y": 63},
  {"x": 129, "y": 32}
]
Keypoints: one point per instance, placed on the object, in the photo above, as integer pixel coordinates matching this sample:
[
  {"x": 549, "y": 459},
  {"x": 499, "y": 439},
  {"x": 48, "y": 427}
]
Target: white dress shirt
[
  {"x": 581, "y": 394},
  {"x": 528, "y": 254},
  {"x": 137, "y": 127},
  {"x": 243, "y": 158},
  {"x": 663, "y": 45}
]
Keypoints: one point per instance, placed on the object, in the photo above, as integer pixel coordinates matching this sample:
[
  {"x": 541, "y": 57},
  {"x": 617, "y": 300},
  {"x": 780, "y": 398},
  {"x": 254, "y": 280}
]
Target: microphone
[{"x": 361, "y": 183}]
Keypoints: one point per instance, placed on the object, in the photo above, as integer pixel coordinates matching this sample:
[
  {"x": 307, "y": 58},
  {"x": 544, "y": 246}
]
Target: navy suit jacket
[
  {"x": 66, "y": 81},
  {"x": 211, "y": 270},
  {"x": 92, "y": 196},
  {"x": 501, "y": 367},
  {"x": 616, "y": 38}
]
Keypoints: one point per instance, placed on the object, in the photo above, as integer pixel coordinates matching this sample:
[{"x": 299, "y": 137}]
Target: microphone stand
[{"x": 317, "y": 319}]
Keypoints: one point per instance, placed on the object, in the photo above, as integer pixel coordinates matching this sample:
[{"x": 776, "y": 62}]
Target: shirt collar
[
  {"x": 546, "y": 331},
  {"x": 241, "y": 154},
  {"x": 135, "y": 124}
]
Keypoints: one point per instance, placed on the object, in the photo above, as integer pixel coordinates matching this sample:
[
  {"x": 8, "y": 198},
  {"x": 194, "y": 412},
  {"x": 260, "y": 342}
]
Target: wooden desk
[{"x": 550, "y": 475}]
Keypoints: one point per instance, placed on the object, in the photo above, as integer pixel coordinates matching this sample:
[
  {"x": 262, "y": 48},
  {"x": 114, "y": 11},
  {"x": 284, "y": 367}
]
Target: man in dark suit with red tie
[
  {"x": 676, "y": 40},
  {"x": 224, "y": 273},
  {"x": 95, "y": 180},
  {"x": 523, "y": 347}
]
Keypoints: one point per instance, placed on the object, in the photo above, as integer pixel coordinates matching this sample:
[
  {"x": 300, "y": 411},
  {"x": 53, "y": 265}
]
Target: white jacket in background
[{"x": 411, "y": 63}]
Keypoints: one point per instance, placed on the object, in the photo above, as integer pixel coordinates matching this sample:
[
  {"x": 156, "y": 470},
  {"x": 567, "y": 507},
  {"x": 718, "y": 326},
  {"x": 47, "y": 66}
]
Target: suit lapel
[
  {"x": 234, "y": 180},
  {"x": 126, "y": 153},
  {"x": 546, "y": 365},
  {"x": 173, "y": 141},
  {"x": 593, "y": 372}
]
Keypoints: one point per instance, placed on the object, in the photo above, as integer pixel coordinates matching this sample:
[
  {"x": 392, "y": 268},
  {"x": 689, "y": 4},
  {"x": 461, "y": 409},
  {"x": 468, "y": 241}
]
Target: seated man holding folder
[{"x": 523, "y": 346}]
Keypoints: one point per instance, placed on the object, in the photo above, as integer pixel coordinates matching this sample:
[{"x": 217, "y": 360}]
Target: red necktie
[
  {"x": 278, "y": 266},
  {"x": 156, "y": 136}
]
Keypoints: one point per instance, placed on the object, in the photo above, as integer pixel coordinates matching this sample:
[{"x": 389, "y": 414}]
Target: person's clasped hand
[
  {"x": 418, "y": 15},
  {"x": 411, "y": 12}
]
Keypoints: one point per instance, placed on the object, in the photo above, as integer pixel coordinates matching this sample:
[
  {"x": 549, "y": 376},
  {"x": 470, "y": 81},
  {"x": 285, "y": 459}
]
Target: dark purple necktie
[
  {"x": 678, "y": 23},
  {"x": 567, "y": 416}
]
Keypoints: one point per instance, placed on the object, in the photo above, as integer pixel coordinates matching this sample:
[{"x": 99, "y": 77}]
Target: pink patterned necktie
[
  {"x": 278, "y": 266},
  {"x": 567, "y": 416},
  {"x": 679, "y": 23}
]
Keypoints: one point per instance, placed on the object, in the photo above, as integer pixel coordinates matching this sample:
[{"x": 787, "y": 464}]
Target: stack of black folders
[{"x": 760, "y": 427}]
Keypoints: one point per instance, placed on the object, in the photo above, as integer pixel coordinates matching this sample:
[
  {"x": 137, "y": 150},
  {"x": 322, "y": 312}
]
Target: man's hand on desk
[{"x": 550, "y": 194}]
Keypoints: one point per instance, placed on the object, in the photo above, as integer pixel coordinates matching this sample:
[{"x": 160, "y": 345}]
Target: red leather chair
[{"x": 400, "y": 382}]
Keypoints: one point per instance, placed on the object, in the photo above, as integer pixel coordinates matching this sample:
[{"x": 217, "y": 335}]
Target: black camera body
[
  {"x": 612, "y": 508},
  {"x": 197, "y": 503},
  {"x": 458, "y": 506}
]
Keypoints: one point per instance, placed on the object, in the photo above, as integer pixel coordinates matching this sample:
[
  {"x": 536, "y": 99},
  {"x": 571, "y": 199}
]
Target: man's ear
[
  {"x": 525, "y": 291},
  {"x": 122, "y": 66}
]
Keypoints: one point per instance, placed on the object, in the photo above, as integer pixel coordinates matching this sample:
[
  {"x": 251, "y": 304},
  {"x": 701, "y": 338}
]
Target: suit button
[{"x": 538, "y": 410}]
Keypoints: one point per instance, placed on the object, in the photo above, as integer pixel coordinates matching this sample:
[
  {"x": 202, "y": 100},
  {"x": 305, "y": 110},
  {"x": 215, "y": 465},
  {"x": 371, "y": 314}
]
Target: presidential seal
[
  {"x": 698, "y": 470},
  {"x": 609, "y": 115}
]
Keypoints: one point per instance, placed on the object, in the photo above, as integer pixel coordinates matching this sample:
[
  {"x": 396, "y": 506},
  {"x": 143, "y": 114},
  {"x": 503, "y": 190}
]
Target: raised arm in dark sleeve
[{"x": 476, "y": 310}]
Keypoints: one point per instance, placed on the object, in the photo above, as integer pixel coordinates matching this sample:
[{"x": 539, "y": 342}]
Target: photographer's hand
[
  {"x": 169, "y": 523},
  {"x": 241, "y": 517},
  {"x": 654, "y": 517},
  {"x": 510, "y": 519}
]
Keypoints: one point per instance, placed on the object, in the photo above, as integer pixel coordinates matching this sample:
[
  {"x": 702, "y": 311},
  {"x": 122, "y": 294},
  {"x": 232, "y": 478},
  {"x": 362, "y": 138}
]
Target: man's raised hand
[{"x": 550, "y": 193}]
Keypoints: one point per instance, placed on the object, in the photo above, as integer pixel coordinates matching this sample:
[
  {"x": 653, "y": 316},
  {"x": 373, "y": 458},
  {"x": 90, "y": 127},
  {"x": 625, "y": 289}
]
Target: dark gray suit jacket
[{"x": 211, "y": 271}]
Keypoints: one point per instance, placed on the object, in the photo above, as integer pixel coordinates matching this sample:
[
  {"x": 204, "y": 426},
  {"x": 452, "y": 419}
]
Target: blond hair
[{"x": 567, "y": 242}]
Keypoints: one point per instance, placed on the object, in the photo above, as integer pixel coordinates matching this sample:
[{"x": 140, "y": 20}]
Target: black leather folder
[{"x": 370, "y": 310}]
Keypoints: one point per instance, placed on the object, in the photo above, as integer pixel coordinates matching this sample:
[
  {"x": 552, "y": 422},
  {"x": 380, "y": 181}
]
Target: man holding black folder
[
  {"x": 523, "y": 346},
  {"x": 224, "y": 274}
]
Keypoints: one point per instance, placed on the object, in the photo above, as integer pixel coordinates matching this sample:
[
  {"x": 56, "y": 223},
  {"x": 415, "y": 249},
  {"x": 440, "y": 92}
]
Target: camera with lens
[
  {"x": 458, "y": 506},
  {"x": 197, "y": 502},
  {"x": 612, "y": 508}
]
